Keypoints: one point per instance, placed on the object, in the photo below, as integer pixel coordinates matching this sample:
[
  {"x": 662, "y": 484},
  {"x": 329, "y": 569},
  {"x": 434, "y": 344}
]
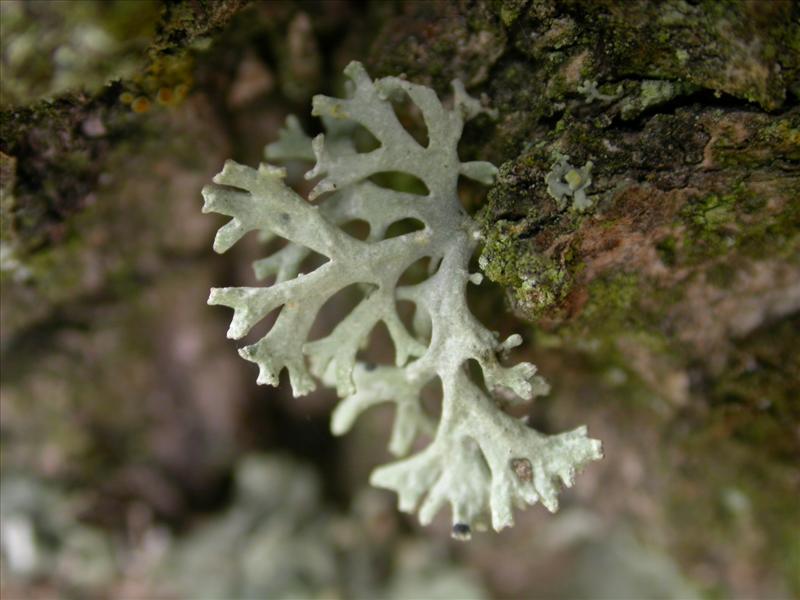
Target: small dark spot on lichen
[
  {"x": 522, "y": 469},
  {"x": 462, "y": 531},
  {"x": 370, "y": 366},
  {"x": 285, "y": 217}
]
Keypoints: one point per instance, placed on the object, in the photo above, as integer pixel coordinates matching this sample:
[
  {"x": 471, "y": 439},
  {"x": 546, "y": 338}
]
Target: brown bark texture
[{"x": 659, "y": 294}]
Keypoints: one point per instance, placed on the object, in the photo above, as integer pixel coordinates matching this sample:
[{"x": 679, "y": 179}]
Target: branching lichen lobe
[{"x": 468, "y": 464}]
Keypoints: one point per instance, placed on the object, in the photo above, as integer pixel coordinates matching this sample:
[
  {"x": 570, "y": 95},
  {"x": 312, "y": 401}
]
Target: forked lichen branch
[{"x": 482, "y": 461}]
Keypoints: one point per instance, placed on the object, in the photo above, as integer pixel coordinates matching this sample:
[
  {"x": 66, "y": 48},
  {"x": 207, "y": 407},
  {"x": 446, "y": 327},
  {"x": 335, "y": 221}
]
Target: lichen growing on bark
[
  {"x": 481, "y": 461},
  {"x": 669, "y": 318},
  {"x": 692, "y": 239}
]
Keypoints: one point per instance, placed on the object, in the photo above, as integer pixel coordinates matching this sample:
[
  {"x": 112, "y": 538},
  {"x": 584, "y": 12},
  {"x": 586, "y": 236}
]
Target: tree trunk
[{"x": 645, "y": 225}]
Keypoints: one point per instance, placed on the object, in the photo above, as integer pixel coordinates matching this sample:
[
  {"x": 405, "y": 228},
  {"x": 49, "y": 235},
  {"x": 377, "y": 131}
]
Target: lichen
[
  {"x": 472, "y": 462},
  {"x": 565, "y": 181},
  {"x": 588, "y": 88}
]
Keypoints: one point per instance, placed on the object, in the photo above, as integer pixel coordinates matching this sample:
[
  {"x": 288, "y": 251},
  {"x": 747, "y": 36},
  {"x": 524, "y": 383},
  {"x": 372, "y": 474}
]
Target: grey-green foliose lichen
[{"x": 482, "y": 461}]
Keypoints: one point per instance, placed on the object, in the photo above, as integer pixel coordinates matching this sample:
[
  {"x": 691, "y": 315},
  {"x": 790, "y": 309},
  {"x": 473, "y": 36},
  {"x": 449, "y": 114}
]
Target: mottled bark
[{"x": 663, "y": 309}]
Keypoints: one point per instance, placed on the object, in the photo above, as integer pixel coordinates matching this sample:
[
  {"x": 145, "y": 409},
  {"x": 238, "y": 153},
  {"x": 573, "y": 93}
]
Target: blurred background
[{"x": 139, "y": 458}]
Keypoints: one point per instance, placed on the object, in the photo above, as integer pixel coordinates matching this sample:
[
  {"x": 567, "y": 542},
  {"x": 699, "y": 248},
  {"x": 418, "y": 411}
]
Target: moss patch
[{"x": 536, "y": 282}]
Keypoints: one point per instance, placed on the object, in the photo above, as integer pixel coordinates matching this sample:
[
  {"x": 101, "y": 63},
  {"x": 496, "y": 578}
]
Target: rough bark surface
[{"x": 665, "y": 309}]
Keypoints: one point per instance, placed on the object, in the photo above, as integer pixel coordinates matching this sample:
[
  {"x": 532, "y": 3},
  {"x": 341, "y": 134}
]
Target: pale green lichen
[
  {"x": 565, "y": 181},
  {"x": 588, "y": 88},
  {"x": 482, "y": 461}
]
